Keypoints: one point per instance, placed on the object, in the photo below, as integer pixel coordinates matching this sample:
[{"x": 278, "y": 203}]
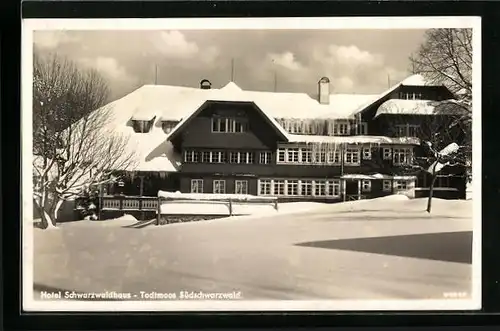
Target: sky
[{"x": 355, "y": 61}]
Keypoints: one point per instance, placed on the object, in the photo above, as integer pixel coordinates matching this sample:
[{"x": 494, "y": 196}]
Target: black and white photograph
[{"x": 251, "y": 164}]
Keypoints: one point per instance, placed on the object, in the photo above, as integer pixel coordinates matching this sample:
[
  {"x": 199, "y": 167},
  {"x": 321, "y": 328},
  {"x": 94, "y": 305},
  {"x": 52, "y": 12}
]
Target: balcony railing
[{"x": 133, "y": 203}]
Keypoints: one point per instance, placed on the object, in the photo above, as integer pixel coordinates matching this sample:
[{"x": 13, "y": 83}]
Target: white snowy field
[{"x": 387, "y": 248}]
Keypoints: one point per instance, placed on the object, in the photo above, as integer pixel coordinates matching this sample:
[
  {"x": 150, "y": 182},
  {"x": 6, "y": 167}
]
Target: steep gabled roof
[
  {"x": 413, "y": 80},
  {"x": 278, "y": 128}
]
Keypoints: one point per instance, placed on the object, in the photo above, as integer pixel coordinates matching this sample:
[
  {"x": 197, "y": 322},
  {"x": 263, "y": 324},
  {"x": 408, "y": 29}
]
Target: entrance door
[{"x": 351, "y": 190}]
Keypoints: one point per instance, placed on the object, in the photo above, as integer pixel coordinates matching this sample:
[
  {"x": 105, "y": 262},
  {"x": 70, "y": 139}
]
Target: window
[
  {"x": 319, "y": 188},
  {"x": 234, "y": 157},
  {"x": 333, "y": 188},
  {"x": 279, "y": 187},
  {"x": 219, "y": 186},
  {"x": 306, "y": 187},
  {"x": 297, "y": 127},
  {"x": 413, "y": 130},
  {"x": 387, "y": 153},
  {"x": 248, "y": 157},
  {"x": 229, "y": 125},
  {"x": 292, "y": 187},
  {"x": 362, "y": 128},
  {"x": 241, "y": 187},
  {"x": 293, "y": 155},
  {"x": 366, "y": 185},
  {"x": 241, "y": 157},
  {"x": 407, "y": 130},
  {"x": 191, "y": 156},
  {"x": 218, "y": 157},
  {"x": 352, "y": 156},
  {"x": 306, "y": 155},
  {"x": 281, "y": 155},
  {"x": 367, "y": 153},
  {"x": 141, "y": 126},
  {"x": 168, "y": 126},
  {"x": 265, "y": 187},
  {"x": 442, "y": 181},
  {"x": 402, "y": 156},
  {"x": 321, "y": 157},
  {"x": 213, "y": 157},
  {"x": 206, "y": 157},
  {"x": 341, "y": 128},
  {"x": 401, "y": 185},
  {"x": 265, "y": 157},
  {"x": 410, "y": 95},
  {"x": 333, "y": 157},
  {"x": 386, "y": 185},
  {"x": 196, "y": 185}
]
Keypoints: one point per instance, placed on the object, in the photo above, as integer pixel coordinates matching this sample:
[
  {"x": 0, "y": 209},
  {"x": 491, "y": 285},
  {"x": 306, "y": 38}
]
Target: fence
[{"x": 139, "y": 203}]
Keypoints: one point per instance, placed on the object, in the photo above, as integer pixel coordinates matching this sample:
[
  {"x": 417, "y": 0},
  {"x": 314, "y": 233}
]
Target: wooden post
[
  {"x": 141, "y": 193},
  {"x": 158, "y": 215},
  {"x": 359, "y": 189},
  {"x": 230, "y": 207}
]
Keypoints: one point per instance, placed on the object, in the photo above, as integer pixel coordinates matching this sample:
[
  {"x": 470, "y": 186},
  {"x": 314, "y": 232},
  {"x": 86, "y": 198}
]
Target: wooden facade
[{"x": 233, "y": 147}]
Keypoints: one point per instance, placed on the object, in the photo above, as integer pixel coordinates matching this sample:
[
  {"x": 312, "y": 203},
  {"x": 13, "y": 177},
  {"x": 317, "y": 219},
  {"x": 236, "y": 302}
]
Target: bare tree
[
  {"x": 72, "y": 146},
  {"x": 445, "y": 58},
  {"x": 443, "y": 139}
]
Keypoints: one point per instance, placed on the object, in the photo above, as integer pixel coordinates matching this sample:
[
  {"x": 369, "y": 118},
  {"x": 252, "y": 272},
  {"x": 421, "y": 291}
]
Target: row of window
[
  {"x": 295, "y": 187},
  {"x": 306, "y": 155},
  {"x": 319, "y": 188},
  {"x": 229, "y": 125},
  {"x": 191, "y": 156},
  {"x": 399, "y": 156},
  {"x": 301, "y": 155},
  {"x": 234, "y": 125},
  {"x": 219, "y": 186}
]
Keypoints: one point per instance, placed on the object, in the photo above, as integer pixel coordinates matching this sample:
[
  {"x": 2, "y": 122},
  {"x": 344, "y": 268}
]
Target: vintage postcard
[{"x": 251, "y": 164}]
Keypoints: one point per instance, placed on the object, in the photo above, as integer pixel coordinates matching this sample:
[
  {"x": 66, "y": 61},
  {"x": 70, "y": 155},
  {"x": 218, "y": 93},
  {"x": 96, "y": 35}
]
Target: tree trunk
[
  {"x": 431, "y": 192},
  {"x": 47, "y": 220},
  {"x": 56, "y": 208}
]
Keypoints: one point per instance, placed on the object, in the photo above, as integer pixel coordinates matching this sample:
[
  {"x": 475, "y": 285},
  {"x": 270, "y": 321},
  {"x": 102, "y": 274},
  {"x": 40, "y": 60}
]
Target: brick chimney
[{"x": 324, "y": 91}]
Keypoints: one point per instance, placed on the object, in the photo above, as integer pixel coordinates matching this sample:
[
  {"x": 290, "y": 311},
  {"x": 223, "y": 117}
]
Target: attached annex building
[{"x": 329, "y": 147}]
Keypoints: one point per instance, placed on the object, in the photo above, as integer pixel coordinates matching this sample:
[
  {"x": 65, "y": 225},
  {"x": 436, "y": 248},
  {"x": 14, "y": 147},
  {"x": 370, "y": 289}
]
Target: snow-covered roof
[
  {"x": 152, "y": 152},
  {"x": 415, "y": 107},
  {"x": 413, "y": 80},
  {"x": 176, "y": 102},
  {"x": 353, "y": 139}
]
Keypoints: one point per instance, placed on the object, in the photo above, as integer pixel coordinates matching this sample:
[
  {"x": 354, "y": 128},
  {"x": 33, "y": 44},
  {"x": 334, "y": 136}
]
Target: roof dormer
[{"x": 142, "y": 124}]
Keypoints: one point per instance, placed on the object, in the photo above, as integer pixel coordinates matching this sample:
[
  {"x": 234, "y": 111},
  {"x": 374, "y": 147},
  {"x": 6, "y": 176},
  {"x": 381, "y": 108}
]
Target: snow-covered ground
[{"x": 271, "y": 255}]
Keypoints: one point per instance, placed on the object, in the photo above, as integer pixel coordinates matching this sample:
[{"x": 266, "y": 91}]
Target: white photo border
[{"x": 31, "y": 25}]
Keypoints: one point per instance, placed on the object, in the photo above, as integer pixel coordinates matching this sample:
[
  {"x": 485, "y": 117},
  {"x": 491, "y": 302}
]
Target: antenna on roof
[
  {"x": 275, "y": 81},
  {"x": 388, "y": 80},
  {"x": 232, "y": 69},
  {"x": 156, "y": 74}
]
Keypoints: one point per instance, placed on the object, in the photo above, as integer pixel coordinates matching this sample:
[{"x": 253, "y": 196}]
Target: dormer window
[
  {"x": 229, "y": 125},
  {"x": 168, "y": 126},
  {"x": 142, "y": 126}
]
